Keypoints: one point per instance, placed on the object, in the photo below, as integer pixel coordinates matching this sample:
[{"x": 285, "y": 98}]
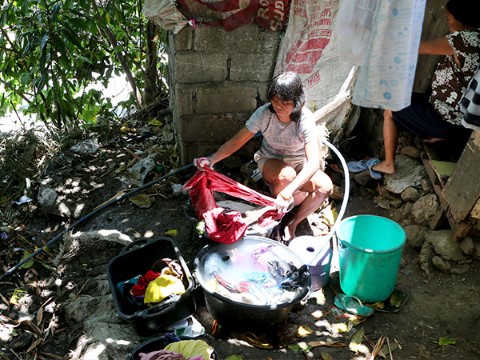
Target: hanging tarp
[
  {"x": 231, "y": 14},
  {"x": 309, "y": 49},
  {"x": 165, "y": 14}
]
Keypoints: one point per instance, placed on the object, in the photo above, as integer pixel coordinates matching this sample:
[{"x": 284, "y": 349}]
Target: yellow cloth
[
  {"x": 161, "y": 287},
  {"x": 191, "y": 348}
]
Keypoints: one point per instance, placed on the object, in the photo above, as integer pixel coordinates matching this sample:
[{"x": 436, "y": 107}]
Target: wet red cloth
[
  {"x": 224, "y": 227},
  {"x": 201, "y": 187}
]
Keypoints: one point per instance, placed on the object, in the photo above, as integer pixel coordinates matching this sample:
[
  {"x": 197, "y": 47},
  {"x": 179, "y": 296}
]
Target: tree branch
[{"x": 121, "y": 57}]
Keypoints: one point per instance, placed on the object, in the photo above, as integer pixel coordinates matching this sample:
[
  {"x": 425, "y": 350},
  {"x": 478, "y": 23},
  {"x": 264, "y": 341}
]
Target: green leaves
[
  {"x": 51, "y": 51},
  {"x": 443, "y": 341}
]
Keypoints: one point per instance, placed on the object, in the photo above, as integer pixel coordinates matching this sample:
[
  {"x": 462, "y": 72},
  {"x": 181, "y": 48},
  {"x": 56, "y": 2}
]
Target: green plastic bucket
[{"x": 369, "y": 249}]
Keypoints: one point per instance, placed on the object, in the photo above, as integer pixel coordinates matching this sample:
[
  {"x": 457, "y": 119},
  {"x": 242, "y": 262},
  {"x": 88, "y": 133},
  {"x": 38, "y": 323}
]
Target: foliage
[{"x": 52, "y": 51}]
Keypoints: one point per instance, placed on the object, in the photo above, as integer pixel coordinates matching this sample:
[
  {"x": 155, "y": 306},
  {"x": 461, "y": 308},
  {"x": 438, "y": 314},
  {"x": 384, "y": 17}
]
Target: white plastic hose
[{"x": 346, "y": 194}]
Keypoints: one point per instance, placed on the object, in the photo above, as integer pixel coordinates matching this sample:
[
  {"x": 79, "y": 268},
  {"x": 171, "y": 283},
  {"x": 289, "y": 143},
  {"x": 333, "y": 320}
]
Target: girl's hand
[
  {"x": 202, "y": 163},
  {"x": 283, "y": 204}
]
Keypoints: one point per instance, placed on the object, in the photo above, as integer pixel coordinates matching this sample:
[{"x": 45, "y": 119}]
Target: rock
[
  {"x": 363, "y": 178},
  {"x": 21, "y": 342},
  {"x": 444, "y": 244},
  {"x": 177, "y": 189},
  {"x": 407, "y": 222},
  {"x": 424, "y": 209},
  {"x": 410, "y": 194},
  {"x": 138, "y": 172},
  {"x": 80, "y": 309},
  {"x": 396, "y": 203},
  {"x": 407, "y": 210},
  {"x": 382, "y": 202},
  {"x": 411, "y": 151},
  {"x": 426, "y": 186},
  {"x": 47, "y": 198},
  {"x": 441, "y": 264},
  {"x": 460, "y": 269},
  {"x": 467, "y": 245},
  {"x": 416, "y": 235},
  {"x": 476, "y": 250},
  {"x": 73, "y": 242},
  {"x": 397, "y": 217},
  {"x": 50, "y": 204},
  {"x": 409, "y": 173},
  {"x": 426, "y": 256},
  {"x": 86, "y": 147}
]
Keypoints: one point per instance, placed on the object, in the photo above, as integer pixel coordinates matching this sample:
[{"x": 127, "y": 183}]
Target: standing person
[
  {"x": 289, "y": 157},
  {"x": 437, "y": 116}
]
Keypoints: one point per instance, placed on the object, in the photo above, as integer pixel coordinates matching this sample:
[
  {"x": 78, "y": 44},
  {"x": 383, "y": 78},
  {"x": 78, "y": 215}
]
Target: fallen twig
[
  {"x": 326, "y": 343},
  {"x": 15, "y": 354},
  {"x": 389, "y": 349},
  {"x": 80, "y": 291},
  {"x": 50, "y": 355},
  {"x": 377, "y": 347}
]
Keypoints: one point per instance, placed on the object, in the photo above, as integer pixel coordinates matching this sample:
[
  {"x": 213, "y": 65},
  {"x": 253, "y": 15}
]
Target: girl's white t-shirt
[{"x": 282, "y": 140}]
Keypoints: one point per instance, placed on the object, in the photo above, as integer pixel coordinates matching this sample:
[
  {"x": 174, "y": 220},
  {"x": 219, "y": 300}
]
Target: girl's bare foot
[
  {"x": 384, "y": 168},
  {"x": 432, "y": 140},
  {"x": 288, "y": 233}
]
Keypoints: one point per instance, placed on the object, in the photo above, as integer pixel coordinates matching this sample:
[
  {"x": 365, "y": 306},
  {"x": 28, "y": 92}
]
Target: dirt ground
[{"x": 441, "y": 318}]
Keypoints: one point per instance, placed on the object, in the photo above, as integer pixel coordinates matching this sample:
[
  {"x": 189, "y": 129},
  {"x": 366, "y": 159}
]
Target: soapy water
[{"x": 258, "y": 270}]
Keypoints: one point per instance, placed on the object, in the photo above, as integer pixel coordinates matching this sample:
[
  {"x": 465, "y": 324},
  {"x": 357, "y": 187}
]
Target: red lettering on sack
[
  {"x": 262, "y": 13},
  {"x": 323, "y": 22},
  {"x": 326, "y": 12},
  {"x": 279, "y": 7},
  {"x": 275, "y": 25},
  {"x": 312, "y": 80},
  {"x": 303, "y": 56}
]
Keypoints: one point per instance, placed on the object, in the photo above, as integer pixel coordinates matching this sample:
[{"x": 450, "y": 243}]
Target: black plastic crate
[{"x": 136, "y": 259}]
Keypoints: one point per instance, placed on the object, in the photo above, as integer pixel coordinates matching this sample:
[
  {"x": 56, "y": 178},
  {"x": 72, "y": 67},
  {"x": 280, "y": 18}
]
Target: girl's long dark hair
[{"x": 288, "y": 86}]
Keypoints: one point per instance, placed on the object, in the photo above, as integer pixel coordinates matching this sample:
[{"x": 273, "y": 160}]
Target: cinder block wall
[{"x": 217, "y": 79}]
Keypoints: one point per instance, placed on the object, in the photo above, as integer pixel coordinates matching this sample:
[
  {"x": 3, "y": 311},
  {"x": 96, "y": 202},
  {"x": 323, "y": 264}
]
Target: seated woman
[
  {"x": 289, "y": 158},
  {"x": 437, "y": 116}
]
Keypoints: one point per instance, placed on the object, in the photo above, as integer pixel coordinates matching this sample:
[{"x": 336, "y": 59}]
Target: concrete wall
[{"x": 217, "y": 79}]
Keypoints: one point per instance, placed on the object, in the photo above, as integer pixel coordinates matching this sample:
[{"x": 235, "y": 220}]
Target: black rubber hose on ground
[{"x": 91, "y": 214}]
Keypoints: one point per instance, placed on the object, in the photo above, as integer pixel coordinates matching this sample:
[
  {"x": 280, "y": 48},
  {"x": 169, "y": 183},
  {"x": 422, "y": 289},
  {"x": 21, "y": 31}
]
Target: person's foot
[
  {"x": 288, "y": 233},
  {"x": 432, "y": 140},
  {"x": 384, "y": 168}
]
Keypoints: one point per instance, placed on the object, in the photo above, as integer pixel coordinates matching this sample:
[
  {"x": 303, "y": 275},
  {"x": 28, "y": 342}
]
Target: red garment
[
  {"x": 139, "y": 288},
  {"x": 201, "y": 187},
  {"x": 224, "y": 227}
]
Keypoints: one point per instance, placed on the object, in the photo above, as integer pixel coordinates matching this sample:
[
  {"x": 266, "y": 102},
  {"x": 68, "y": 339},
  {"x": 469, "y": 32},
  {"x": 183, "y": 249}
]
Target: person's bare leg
[
  {"x": 390, "y": 141},
  {"x": 318, "y": 189},
  {"x": 432, "y": 140},
  {"x": 311, "y": 196},
  {"x": 277, "y": 174}
]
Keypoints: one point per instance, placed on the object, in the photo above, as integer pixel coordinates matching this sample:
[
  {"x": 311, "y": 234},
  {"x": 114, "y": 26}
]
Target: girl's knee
[
  {"x": 287, "y": 174},
  {"x": 324, "y": 184},
  {"x": 284, "y": 177}
]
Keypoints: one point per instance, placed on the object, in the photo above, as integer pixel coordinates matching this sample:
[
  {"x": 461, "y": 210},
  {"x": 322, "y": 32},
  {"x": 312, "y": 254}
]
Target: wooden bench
[{"x": 457, "y": 185}]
